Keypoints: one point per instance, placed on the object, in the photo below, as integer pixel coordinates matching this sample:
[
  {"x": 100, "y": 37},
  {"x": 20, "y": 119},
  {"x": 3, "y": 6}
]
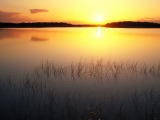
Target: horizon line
[{"x": 82, "y": 23}]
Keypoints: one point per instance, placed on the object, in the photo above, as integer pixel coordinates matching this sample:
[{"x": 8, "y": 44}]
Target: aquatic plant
[{"x": 48, "y": 93}]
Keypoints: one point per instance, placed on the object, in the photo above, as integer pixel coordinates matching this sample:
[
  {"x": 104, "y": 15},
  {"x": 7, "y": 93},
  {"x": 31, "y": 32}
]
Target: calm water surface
[
  {"x": 41, "y": 69},
  {"x": 22, "y": 49}
]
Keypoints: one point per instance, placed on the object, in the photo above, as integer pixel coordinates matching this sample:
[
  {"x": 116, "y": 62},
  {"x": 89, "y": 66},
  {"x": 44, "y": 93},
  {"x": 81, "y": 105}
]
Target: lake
[
  {"x": 79, "y": 73},
  {"x": 21, "y": 49}
]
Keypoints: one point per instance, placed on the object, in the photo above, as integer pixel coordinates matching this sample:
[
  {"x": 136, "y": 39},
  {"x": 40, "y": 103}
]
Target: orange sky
[{"x": 79, "y": 11}]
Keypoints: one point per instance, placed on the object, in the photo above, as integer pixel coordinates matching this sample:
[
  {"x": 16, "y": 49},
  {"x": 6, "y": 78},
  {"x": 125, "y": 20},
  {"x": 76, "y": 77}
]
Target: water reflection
[
  {"x": 99, "y": 32},
  {"x": 96, "y": 86},
  {"x": 9, "y": 33},
  {"x": 66, "y": 45},
  {"x": 37, "y": 39}
]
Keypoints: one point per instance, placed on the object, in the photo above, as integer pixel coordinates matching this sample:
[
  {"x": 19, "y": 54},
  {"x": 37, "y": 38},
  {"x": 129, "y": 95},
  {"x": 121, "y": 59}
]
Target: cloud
[
  {"x": 8, "y": 14},
  {"x": 34, "y": 11},
  {"x": 151, "y": 19},
  {"x": 5, "y": 16},
  {"x": 13, "y": 17}
]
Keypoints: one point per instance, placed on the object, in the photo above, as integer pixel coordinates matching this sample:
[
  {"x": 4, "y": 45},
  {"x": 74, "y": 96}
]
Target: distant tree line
[
  {"x": 123, "y": 24},
  {"x": 35, "y": 24},
  {"x": 42, "y": 24},
  {"x": 132, "y": 24}
]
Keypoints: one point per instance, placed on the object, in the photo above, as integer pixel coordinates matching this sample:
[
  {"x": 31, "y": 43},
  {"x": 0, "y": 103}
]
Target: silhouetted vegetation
[
  {"x": 132, "y": 24},
  {"x": 42, "y": 24},
  {"x": 36, "y": 24},
  {"x": 41, "y": 95},
  {"x": 123, "y": 24}
]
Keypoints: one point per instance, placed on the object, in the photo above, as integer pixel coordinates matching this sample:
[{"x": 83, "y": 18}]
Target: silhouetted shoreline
[
  {"x": 123, "y": 24},
  {"x": 132, "y": 24},
  {"x": 43, "y": 24}
]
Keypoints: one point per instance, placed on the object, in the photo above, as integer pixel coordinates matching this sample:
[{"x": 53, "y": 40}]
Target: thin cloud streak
[
  {"x": 151, "y": 19},
  {"x": 8, "y": 15},
  {"x": 13, "y": 17},
  {"x": 34, "y": 11}
]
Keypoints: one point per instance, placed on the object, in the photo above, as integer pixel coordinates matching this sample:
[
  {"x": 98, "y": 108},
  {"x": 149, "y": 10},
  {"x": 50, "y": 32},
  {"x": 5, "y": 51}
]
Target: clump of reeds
[
  {"x": 97, "y": 69},
  {"x": 38, "y": 97}
]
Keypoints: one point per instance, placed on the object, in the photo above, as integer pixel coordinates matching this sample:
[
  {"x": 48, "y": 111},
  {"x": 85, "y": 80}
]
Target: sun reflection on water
[
  {"x": 72, "y": 43},
  {"x": 99, "y": 31}
]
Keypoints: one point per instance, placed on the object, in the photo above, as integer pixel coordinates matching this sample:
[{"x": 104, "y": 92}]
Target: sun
[{"x": 99, "y": 19}]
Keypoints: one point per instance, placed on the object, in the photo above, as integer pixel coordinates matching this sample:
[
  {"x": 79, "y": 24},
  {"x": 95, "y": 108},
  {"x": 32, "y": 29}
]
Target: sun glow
[{"x": 99, "y": 19}]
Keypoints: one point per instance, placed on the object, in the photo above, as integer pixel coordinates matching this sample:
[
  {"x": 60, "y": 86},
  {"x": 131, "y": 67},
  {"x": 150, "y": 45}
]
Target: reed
[
  {"x": 98, "y": 69},
  {"x": 44, "y": 95}
]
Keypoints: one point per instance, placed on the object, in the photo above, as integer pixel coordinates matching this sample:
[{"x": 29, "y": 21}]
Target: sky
[{"x": 79, "y": 11}]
